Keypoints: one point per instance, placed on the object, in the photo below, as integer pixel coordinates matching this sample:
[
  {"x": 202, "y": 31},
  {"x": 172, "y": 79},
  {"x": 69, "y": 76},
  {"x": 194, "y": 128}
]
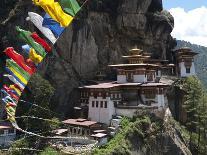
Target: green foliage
[
  {"x": 136, "y": 129},
  {"x": 195, "y": 105},
  {"x": 49, "y": 151},
  {"x": 40, "y": 94},
  {"x": 15, "y": 149}
]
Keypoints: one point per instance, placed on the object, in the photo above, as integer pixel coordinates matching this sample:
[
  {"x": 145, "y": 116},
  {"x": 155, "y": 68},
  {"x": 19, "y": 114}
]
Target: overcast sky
[{"x": 190, "y": 20}]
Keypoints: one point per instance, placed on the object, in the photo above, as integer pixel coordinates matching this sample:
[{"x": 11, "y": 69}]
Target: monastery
[{"x": 138, "y": 86}]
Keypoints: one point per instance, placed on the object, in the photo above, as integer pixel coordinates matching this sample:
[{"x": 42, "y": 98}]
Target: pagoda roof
[
  {"x": 115, "y": 84},
  {"x": 168, "y": 66},
  {"x": 135, "y": 56},
  {"x": 79, "y": 122},
  {"x": 135, "y": 51},
  {"x": 185, "y": 51},
  {"x": 147, "y": 54},
  {"x": 102, "y": 85},
  {"x": 134, "y": 65},
  {"x": 156, "y": 60}
]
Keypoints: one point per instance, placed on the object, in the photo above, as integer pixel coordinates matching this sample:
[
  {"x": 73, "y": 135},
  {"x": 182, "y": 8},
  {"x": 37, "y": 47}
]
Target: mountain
[{"x": 200, "y": 59}]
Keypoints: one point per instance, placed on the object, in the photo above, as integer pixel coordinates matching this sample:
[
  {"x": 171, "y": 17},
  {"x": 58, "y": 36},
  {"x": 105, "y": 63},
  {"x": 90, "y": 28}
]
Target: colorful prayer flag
[
  {"x": 55, "y": 11},
  {"x": 26, "y": 36},
  {"x": 37, "y": 20},
  {"x": 70, "y": 6},
  {"x": 53, "y": 25}
]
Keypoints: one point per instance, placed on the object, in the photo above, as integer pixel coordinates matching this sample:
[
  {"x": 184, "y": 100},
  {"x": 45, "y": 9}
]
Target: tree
[
  {"x": 195, "y": 104},
  {"x": 49, "y": 151}
]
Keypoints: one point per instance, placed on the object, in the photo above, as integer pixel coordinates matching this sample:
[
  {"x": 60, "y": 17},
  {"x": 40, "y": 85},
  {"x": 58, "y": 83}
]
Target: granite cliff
[{"x": 99, "y": 35}]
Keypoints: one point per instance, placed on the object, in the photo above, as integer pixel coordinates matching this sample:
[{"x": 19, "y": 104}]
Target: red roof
[
  {"x": 60, "y": 131},
  {"x": 79, "y": 122},
  {"x": 115, "y": 84},
  {"x": 5, "y": 125},
  {"x": 99, "y": 135}
]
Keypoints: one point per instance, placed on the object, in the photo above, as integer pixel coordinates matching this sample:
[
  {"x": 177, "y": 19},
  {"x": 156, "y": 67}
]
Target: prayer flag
[
  {"x": 11, "y": 63},
  {"x": 41, "y": 42},
  {"x": 34, "y": 56},
  {"x": 55, "y": 11},
  {"x": 26, "y": 36},
  {"x": 53, "y": 25},
  {"x": 19, "y": 59},
  {"x": 37, "y": 20},
  {"x": 70, "y": 6}
]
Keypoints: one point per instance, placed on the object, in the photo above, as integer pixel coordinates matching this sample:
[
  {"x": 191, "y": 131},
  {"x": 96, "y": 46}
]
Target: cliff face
[{"x": 102, "y": 32}]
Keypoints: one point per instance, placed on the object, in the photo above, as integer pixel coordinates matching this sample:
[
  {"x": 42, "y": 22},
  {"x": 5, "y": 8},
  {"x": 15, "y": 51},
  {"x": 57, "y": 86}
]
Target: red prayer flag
[
  {"x": 41, "y": 41},
  {"x": 19, "y": 59}
]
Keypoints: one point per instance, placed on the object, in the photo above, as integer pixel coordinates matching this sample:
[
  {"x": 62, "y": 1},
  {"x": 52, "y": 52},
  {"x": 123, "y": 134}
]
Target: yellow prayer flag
[
  {"x": 17, "y": 90},
  {"x": 34, "y": 56},
  {"x": 19, "y": 76},
  {"x": 55, "y": 11}
]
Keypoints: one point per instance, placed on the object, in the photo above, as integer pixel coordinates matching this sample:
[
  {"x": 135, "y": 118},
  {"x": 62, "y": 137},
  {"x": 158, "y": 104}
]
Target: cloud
[{"x": 190, "y": 25}]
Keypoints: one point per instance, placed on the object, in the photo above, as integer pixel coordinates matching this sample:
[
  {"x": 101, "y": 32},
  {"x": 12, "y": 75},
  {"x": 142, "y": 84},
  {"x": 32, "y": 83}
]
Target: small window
[
  {"x": 105, "y": 106},
  {"x": 115, "y": 103},
  {"x": 95, "y": 95},
  {"x": 1, "y": 132},
  {"x": 93, "y": 103},
  {"x": 101, "y": 104},
  {"x": 104, "y": 95},
  {"x": 187, "y": 70},
  {"x": 11, "y": 131},
  {"x": 96, "y": 104}
]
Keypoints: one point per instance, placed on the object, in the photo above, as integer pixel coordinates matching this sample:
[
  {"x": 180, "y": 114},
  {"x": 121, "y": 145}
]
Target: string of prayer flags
[{"x": 19, "y": 69}]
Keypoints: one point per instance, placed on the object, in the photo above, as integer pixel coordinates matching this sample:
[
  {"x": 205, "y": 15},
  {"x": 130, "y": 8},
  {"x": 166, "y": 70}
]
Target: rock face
[{"x": 102, "y": 32}]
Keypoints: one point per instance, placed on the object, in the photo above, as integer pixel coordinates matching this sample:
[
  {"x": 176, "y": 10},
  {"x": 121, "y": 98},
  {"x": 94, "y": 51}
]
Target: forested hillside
[{"x": 200, "y": 60}]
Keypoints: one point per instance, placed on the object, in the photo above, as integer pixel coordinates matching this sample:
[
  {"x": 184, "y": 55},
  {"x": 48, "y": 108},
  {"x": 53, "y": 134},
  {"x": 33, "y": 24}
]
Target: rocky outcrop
[{"x": 102, "y": 32}]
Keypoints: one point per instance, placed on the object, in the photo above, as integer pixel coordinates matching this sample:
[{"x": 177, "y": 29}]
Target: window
[
  {"x": 96, "y": 104},
  {"x": 93, "y": 103},
  {"x": 11, "y": 131},
  {"x": 101, "y": 104},
  {"x": 105, "y": 106},
  {"x": 115, "y": 103},
  {"x": 1, "y": 132},
  {"x": 104, "y": 95},
  {"x": 187, "y": 70}
]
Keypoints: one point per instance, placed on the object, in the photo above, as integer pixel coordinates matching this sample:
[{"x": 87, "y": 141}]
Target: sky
[{"x": 190, "y": 20}]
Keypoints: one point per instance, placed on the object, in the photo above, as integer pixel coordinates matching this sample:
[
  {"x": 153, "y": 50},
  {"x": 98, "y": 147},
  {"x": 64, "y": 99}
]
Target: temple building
[
  {"x": 7, "y": 134},
  {"x": 137, "y": 87},
  {"x": 185, "y": 62}
]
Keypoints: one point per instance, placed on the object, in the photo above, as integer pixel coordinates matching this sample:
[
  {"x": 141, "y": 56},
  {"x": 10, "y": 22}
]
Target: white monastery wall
[
  {"x": 103, "y": 112},
  {"x": 139, "y": 78},
  {"x": 121, "y": 79},
  {"x": 183, "y": 70}
]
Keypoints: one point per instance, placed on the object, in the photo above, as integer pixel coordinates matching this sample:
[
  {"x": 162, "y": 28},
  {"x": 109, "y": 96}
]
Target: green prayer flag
[
  {"x": 70, "y": 6},
  {"x": 14, "y": 65},
  {"x": 26, "y": 36}
]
